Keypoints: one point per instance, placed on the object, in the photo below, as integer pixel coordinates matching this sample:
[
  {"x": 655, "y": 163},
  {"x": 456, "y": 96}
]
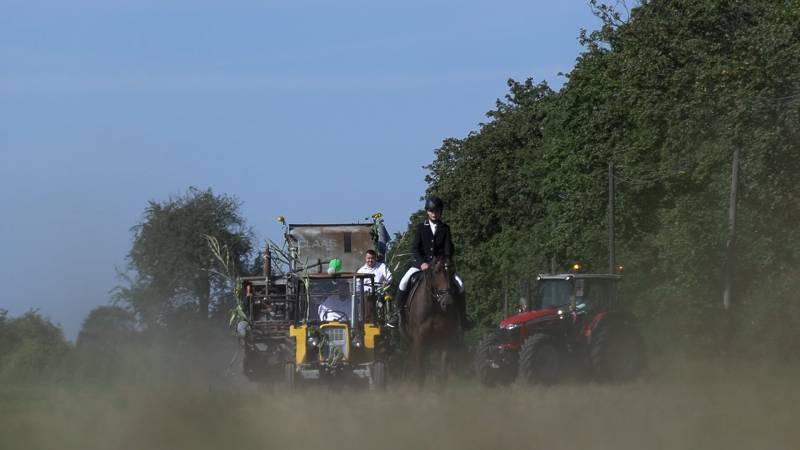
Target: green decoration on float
[{"x": 335, "y": 265}]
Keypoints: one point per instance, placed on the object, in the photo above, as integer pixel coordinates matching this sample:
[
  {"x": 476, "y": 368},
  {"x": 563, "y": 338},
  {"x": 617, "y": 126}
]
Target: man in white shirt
[
  {"x": 381, "y": 279},
  {"x": 382, "y": 276}
]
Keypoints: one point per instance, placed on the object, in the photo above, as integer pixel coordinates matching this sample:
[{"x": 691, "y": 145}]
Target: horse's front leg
[
  {"x": 442, "y": 369},
  {"x": 418, "y": 357}
]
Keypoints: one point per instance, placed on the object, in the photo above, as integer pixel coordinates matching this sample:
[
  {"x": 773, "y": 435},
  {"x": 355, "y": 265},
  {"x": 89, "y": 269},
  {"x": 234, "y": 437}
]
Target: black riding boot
[
  {"x": 466, "y": 323},
  {"x": 399, "y": 315}
]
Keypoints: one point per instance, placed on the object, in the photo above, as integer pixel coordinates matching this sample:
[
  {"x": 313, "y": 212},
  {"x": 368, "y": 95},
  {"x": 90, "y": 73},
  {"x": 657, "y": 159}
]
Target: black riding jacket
[{"x": 426, "y": 245}]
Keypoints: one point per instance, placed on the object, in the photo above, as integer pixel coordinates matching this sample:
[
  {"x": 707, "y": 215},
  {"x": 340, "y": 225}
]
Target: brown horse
[{"x": 432, "y": 320}]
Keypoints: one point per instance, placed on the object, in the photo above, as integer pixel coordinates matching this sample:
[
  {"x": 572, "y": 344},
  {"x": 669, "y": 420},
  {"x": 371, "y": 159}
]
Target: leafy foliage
[
  {"x": 106, "y": 327},
  {"x": 229, "y": 275},
  {"x": 31, "y": 347},
  {"x": 665, "y": 91},
  {"x": 175, "y": 273}
]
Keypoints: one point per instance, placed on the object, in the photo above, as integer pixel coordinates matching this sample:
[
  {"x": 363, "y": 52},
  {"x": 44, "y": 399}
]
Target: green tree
[
  {"x": 33, "y": 348},
  {"x": 172, "y": 268},
  {"x": 665, "y": 92},
  {"x": 667, "y": 96},
  {"x": 108, "y": 347},
  {"x": 107, "y": 326},
  {"x": 5, "y": 336}
]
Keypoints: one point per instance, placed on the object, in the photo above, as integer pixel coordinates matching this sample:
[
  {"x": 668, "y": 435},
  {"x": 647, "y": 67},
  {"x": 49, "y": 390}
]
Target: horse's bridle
[{"x": 439, "y": 293}]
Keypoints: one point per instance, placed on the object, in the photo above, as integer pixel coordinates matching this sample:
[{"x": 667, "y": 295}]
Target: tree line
[{"x": 666, "y": 93}]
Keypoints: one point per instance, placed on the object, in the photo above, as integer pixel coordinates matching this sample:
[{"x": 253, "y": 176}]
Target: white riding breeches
[{"x": 412, "y": 270}]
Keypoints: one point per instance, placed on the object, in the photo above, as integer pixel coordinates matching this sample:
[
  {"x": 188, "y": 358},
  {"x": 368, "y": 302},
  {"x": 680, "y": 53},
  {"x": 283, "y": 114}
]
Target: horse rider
[{"x": 431, "y": 239}]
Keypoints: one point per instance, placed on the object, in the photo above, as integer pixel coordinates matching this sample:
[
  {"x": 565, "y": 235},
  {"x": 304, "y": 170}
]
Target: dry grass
[{"x": 701, "y": 407}]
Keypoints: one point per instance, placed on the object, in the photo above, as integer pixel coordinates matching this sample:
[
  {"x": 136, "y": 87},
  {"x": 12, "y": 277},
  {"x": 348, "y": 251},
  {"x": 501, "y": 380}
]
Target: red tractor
[{"x": 569, "y": 327}]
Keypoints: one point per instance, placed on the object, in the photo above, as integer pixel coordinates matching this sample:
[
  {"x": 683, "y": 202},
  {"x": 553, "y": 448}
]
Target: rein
[{"x": 438, "y": 295}]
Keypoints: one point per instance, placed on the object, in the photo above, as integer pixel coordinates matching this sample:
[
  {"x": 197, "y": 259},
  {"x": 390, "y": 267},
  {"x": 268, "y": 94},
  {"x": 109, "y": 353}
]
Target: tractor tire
[
  {"x": 539, "y": 360},
  {"x": 378, "y": 374},
  {"x": 290, "y": 376},
  {"x": 250, "y": 366},
  {"x": 289, "y": 367},
  {"x": 485, "y": 365},
  {"x": 616, "y": 352},
  {"x": 290, "y": 349}
]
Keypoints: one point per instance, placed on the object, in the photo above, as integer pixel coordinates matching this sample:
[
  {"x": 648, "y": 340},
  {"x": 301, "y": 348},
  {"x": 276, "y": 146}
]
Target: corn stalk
[{"x": 229, "y": 273}]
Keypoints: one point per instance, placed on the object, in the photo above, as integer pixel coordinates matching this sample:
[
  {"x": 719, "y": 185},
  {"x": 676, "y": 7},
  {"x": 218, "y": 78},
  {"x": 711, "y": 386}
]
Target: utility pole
[
  {"x": 611, "y": 256},
  {"x": 730, "y": 262}
]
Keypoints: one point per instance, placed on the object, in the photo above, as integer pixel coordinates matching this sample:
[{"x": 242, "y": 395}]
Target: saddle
[{"x": 414, "y": 282}]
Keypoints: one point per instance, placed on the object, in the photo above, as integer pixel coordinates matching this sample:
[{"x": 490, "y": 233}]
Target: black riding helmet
[{"x": 434, "y": 204}]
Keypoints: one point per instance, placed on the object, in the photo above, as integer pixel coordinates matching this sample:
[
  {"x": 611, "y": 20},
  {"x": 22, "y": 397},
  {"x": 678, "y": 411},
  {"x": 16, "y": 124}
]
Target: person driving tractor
[{"x": 336, "y": 306}]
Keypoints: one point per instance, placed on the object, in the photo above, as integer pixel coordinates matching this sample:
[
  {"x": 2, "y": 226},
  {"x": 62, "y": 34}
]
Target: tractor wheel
[
  {"x": 616, "y": 352},
  {"x": 289, "y": 366},
  {"x": 378, "y": 374},
  {"x": 290, "y": 376},
  {"x": 290, "y": 349},
  {"x": 539, "y": 360},
  {"x": 486, "y": 366},
  {"x": 249, "y": 366}
]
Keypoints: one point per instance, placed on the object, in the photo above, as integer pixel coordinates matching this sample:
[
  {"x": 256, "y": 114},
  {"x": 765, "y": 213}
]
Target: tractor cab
[
  {"x": 335, "y": 337},
  {"x": 344, "y": 297},
  {"x": 331, "y": 300},
  {"x": 575, "y": 292},
  {"x": 578, "y": 296}
]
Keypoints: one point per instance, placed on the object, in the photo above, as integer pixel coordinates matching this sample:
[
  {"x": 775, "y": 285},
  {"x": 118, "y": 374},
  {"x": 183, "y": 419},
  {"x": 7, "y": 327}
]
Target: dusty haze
[{"x": 702, "y": 405}]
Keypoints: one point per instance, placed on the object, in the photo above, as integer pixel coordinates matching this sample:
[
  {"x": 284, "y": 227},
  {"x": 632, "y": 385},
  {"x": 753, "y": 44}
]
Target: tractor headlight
[
  {"x": 312, "y": 341},
  {"x": 511, "y": 333},
  {"x": 357, "y": 341}
]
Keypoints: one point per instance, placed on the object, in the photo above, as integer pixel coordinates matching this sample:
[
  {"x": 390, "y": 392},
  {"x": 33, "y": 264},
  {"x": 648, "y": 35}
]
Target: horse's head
[{"x": 442, "y": 273}]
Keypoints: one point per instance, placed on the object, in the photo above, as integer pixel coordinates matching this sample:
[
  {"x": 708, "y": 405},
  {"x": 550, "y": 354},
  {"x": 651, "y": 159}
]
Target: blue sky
[{"x": 320, "y": 111}]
